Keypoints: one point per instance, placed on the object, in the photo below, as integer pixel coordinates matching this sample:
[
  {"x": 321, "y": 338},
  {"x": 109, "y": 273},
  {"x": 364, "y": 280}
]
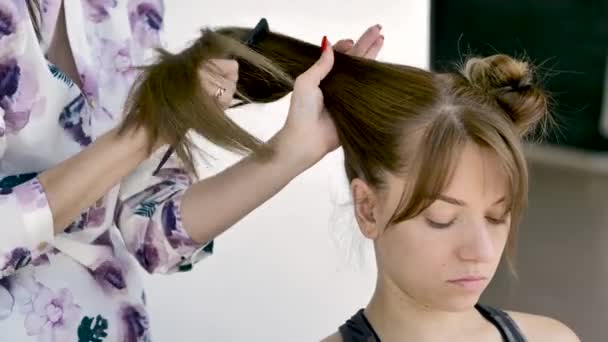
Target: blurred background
[{"x": 294, "y": 270}]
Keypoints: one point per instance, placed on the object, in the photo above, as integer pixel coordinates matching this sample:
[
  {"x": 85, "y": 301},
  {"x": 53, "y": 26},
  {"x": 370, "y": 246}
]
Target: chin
[{"x": 458, "y": 303}]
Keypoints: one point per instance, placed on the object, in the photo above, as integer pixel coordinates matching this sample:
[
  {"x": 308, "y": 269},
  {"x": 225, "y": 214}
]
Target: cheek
[
  {"x": 500, "y": 236},
  {"x": 409, "y": 251},
  {"x": 500, "y": 242}
]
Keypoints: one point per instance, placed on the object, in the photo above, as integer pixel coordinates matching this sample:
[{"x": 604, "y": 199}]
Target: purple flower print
[
  {"x": 122, "y": 62},
  {"x": 116, "y": 70},
  {"x": 14, "y": 260},
  {"x": 19, "y": 94},
  {"x": 88, "y": 77},
  {"x": 150, "y": 252},
  {"x": 12, "y": 28},
  {"x": 135, "y": 324},
  {"x": 92, "y": 218},
  {"x": 109, "y": 275},
  {"x": 98, "y": 10},
  {"x": 176, "y": 175},
  {"x": 30, "y": 195},
  {"x": 53, "y": 316},
  {"x": 43, "y": 259},
  {"x": 77, "y": 225},
  {"x": 97, "y": 214},
  {"x": 76, "y": 122},
  {"x": 8, "y": 20},
  {"x": 146, "y": 19},
  {"x": 10, "y": 73},
  {"x": 115, "y": 60},
  {"x": 144, "y": 200},
  {"x": 171, "y": 222}
]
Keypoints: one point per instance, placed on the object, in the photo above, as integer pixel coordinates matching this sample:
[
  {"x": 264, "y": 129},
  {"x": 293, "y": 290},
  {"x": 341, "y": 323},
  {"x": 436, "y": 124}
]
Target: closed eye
[
  {"x": 498, "y": 221},
  {"x": 439, "y": 225},
  {"x": 495, "y": 221}
]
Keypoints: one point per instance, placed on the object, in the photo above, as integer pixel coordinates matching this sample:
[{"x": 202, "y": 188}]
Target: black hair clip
[{"x": 258, "y": 33}]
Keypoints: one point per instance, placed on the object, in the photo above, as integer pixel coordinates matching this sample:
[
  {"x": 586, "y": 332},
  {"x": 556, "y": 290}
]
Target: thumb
[{"x": 323, "y": 66}]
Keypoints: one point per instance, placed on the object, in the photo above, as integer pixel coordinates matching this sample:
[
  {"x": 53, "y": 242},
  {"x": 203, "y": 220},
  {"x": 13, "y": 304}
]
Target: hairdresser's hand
[
  {"x": 219, "y": 78},
  {"x": 367, "y": 46},
  {"x": 309, "y": 132}
]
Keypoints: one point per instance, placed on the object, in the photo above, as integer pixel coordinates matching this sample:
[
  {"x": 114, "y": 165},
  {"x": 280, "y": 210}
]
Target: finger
[
  {"x": 344, "y": 45},
  {"x": 227, "y": 68},
  {"x": 218, "y": 87},
  {"x": 373, "y": 51},
  {"x": 210, "y": 80},
  {"x": 321, "y": 68},
  {"x": 216, "y": 74},
  {"x": 226, "y": 98},
  {"x": 366, "y": 40},
  {"x": 223, "y": 65},
  {"x": 224, "y": 94}
]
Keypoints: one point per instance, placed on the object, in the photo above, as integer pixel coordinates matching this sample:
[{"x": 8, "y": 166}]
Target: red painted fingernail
[{"x": 324, "y": 43}]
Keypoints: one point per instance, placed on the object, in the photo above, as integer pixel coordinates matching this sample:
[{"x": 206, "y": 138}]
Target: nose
[{"x": 477, "y": 243}]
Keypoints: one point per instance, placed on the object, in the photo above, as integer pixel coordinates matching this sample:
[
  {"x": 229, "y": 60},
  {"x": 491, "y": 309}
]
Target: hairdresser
[{"x": 81, "y": 192}]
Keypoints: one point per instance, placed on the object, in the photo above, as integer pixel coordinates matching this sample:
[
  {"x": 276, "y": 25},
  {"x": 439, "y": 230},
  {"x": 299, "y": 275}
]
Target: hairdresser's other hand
[
  {"x": 309, "y": 132},
  {"x": 219, "y": 78},
  {"x": 367, "y": 46}
]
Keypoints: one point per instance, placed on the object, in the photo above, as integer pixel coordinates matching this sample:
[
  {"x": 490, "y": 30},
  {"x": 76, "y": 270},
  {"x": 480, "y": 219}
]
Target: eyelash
[
  {"x": 439, "y": 225},
  {"x": 499, "y": 221}
]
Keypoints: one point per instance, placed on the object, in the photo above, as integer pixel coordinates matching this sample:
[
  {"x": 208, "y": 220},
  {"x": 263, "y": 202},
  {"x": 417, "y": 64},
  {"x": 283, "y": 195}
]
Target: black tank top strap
[
  {"x": 359, "y": 329},
  {"x": 507, "y": 327}
]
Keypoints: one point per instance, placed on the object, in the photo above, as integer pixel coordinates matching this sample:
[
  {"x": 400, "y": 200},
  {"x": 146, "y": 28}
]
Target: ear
[{"x": 366, "y": 208}]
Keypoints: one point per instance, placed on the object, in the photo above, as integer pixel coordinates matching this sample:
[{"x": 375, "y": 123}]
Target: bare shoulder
[
  {"x": 333, "y": 338},
  {"x": 542, "y": 328}
]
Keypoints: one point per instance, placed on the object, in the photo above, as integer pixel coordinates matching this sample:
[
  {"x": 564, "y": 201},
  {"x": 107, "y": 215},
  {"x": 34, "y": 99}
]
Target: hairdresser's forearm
[
  {"x": 78, "y": 182},
  {"x": 215, "y": 204}
]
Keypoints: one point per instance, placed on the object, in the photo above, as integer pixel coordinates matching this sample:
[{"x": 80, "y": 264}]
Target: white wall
[{"x": 277, "y": 275}]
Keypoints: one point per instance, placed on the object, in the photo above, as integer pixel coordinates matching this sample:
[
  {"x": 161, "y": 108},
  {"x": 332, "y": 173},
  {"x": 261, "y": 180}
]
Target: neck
[{"x": 395, "y": 315}]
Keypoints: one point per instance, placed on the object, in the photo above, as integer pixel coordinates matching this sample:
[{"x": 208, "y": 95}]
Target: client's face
[{"x": 444, "y": 258}]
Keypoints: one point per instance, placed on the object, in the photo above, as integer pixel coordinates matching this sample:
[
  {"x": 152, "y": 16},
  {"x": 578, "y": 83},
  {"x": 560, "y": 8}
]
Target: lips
[
  {"x": 469, "y": 278},
  {"x": 470, "y": 283}
]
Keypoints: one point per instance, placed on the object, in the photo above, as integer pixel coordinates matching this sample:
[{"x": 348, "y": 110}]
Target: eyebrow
[{"x": 461, "y": 203}]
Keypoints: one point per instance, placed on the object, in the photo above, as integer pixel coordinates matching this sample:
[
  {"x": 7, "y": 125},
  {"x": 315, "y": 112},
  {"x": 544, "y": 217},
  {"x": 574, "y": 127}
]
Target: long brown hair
[
  {"x": 414, "y": 122},
  {"x": 168, "y": 100},
  {"x": 389, "y": 117}
]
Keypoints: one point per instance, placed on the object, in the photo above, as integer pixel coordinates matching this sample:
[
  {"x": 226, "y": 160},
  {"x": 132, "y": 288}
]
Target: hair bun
[{"x": 511, "y": 82}]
